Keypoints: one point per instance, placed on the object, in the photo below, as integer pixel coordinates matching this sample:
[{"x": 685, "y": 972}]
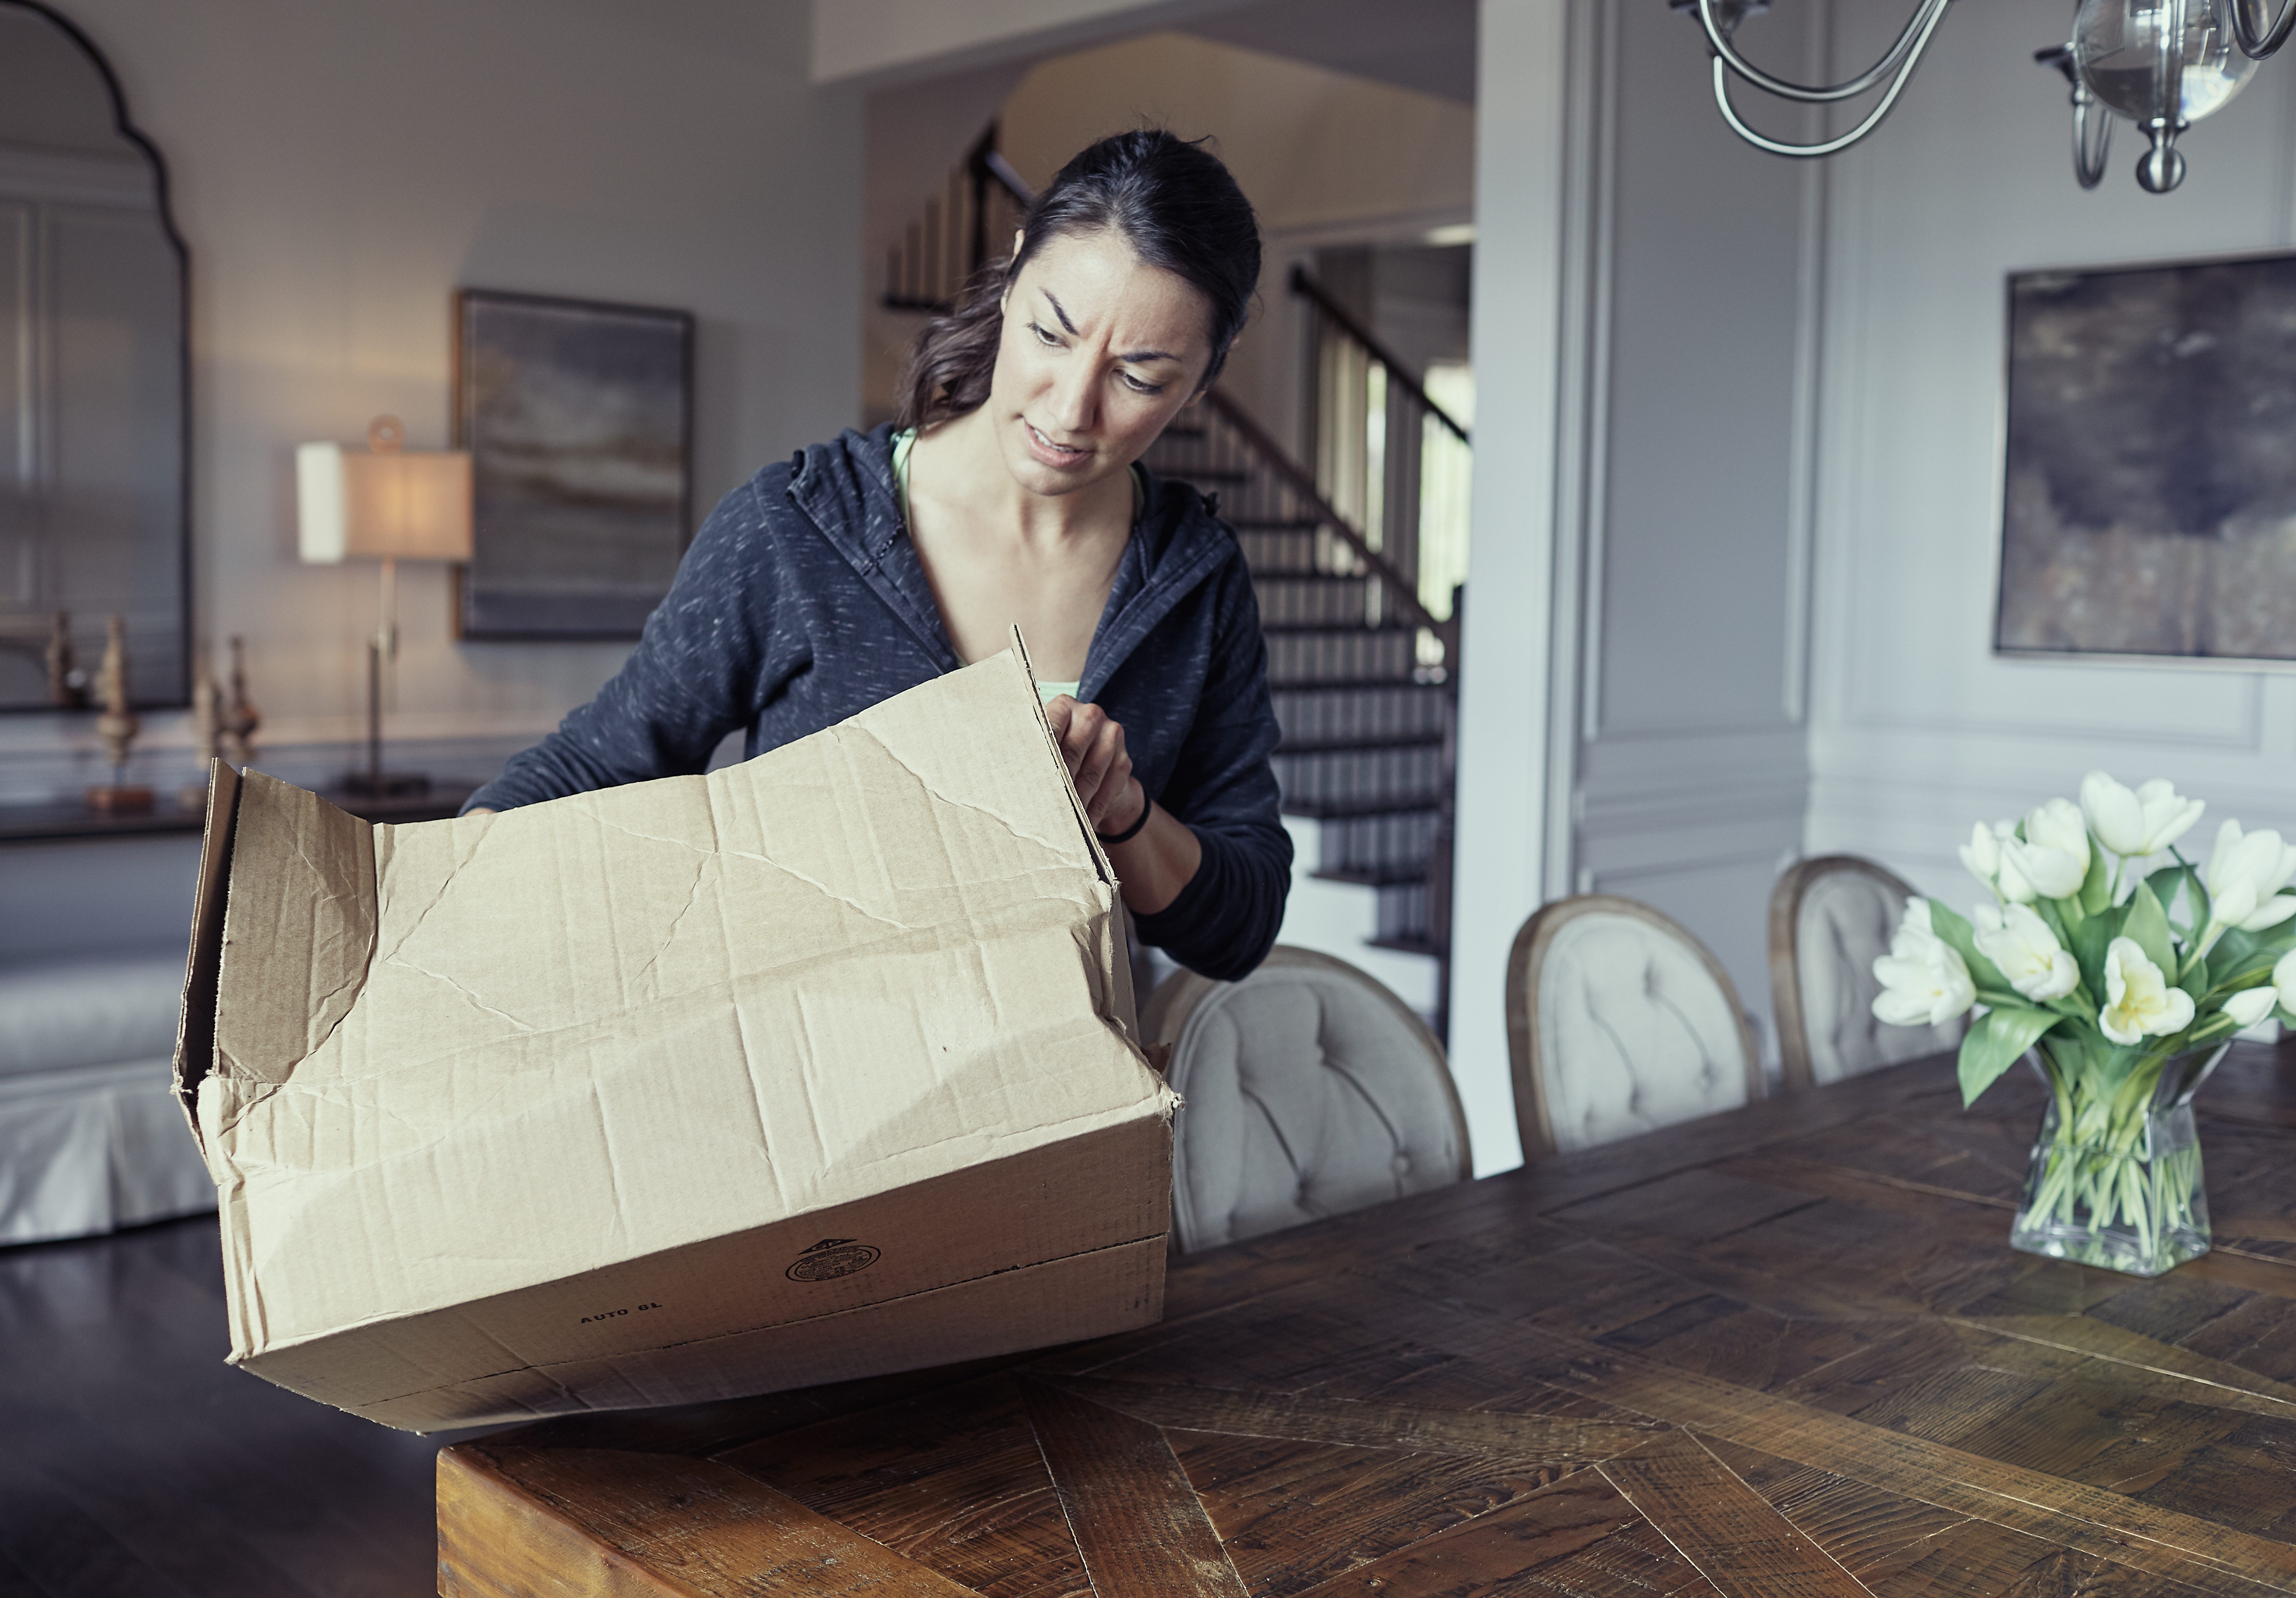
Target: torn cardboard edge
[
  {"x": 195, "y": 1032},
  {"x": 1101, "y": 862},
  {"x": 195, "y": 1028}
]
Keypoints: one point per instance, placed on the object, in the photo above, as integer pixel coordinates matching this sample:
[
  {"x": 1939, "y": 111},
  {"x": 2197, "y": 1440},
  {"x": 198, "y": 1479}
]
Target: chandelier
[{"x": 2163, "y": 64}]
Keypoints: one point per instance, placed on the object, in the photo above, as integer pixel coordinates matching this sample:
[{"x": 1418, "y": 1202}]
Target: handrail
[
  {"x": 992, "y": 161},
  {"x": 1301, "y": 483},
  {"x": 1308, "y": 288}
]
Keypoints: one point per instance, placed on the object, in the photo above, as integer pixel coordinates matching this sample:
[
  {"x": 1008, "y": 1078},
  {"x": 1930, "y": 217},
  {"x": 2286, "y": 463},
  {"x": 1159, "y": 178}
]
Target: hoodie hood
[{"x": 846, "y": 488}]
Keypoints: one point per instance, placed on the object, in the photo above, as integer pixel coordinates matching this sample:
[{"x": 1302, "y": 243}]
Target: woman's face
[{"x": 1099, "y": 350}]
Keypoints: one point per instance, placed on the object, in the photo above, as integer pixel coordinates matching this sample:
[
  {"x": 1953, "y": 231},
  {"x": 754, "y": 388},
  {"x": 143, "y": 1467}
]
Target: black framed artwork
[
  {"x": 578, "y": 416},
  {"x": 2149, "y": 464}
]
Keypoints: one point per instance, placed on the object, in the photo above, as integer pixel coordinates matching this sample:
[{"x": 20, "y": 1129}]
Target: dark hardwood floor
[{"x": 134, "y": 1462}]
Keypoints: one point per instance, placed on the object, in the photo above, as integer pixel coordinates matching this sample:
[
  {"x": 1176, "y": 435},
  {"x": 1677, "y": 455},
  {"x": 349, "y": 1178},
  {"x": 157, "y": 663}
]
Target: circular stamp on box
[{"x": 831, "y": 1257}]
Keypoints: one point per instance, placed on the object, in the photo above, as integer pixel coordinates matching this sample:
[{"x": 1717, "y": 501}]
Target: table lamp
[{"x": 389, "y": 504}]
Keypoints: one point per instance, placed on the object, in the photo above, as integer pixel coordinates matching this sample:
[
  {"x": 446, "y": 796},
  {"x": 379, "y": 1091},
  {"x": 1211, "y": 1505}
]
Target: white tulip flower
[
  {"x": 2250, "y": 1005},
  {"x": 1925, "y": 980},
  {"x": 2244, "y": 876},
  {"x": 1982, "y": 853},
  {"x": 2133, "y": 825},
  {"x": 2028, "y": 953},
  {"x": 2052, "y": 860},
  {"x": 2283, "y": 981},
  {"x": 2139, "y": 1001}
]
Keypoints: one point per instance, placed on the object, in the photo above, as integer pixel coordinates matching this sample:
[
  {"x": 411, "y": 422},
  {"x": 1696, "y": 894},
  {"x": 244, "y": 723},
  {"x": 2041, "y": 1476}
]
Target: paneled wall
[
  {"x": 1633, "y": 710},
  {"x": 1678, "y": 767},
  {"x": 1918, "y": 728}
]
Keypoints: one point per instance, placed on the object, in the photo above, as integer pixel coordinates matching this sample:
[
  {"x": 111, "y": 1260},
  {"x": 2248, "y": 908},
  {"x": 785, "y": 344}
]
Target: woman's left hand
[{"x": 1093, "y": 745}]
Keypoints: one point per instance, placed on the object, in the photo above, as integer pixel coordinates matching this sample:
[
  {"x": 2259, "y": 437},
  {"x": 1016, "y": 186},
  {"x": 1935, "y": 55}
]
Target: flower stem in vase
[{"x": 2116, "y": 1176}]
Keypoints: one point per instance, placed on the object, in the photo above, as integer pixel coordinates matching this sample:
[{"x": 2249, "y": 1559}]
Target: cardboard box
[{"x": 819, "y": 1066}]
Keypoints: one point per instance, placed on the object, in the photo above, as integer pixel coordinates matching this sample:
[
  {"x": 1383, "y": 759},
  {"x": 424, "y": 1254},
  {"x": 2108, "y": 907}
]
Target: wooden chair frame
[
  {"x": 1792, "y": 886},
  {"x": 1527, "y": 958}
]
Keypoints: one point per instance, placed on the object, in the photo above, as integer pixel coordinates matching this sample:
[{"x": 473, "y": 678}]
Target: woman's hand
[
  {"x": 1093, "y": 745},
  {"x": 1155, "y": 863}
]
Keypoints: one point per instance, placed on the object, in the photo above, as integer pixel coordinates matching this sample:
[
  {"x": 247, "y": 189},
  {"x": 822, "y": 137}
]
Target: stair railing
[
  {"x": 1376, "y": 431},
  {"x": 979, "y": 206}
]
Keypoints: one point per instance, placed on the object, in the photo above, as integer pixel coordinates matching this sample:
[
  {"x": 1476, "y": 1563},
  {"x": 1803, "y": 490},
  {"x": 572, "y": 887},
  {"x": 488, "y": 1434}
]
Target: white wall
[
  {"x": 1918, "y": 729},
  {"x": 888, "y": 41},
  {"x": 339, "y": 170},
  {"x": 1505, "y": 678}
]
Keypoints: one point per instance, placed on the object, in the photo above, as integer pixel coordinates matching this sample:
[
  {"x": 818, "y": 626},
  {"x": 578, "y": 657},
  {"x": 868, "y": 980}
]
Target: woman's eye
[
  {"x": 1042, "y": 336},
  {"x": 1138, "y": 386}
]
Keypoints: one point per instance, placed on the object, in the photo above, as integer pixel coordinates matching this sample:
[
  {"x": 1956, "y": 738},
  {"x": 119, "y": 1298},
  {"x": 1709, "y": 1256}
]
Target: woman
[{"x": 1009, "y": 494}]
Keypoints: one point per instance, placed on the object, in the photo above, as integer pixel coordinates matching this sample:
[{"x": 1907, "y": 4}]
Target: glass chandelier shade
[{"x": 2163, "y": 64}]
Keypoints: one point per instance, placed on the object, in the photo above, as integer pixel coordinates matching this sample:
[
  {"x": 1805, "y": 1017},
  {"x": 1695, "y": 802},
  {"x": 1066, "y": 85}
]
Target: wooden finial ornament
[
  {"x": 118, "y": 726},
  {"x": 207, "y": 731},
  {"x": 240, "y": 718}
]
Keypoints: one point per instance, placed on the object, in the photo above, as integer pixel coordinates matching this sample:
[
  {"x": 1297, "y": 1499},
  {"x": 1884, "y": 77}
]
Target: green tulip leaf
[
  {"x": 2195, "y": 978},
  {"x": 1993, "y": 1044},
  {"x": 2091, "y": 939},
  {"x": 1963, "y": 939},
  {"x": 2148, "y": 927},
  {"x": 2096, "y": 888}
]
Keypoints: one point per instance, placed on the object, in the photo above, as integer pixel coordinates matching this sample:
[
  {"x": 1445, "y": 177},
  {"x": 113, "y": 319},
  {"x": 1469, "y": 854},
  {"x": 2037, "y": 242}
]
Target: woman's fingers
[
  {"x": 1108, "y": 809},
  {"x": 1093, "y": 746},
  {"x": 1059, "y": 714}
]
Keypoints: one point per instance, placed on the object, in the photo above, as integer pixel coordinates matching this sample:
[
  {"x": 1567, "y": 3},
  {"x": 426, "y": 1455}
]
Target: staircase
[{"x": 1362, "y": 663}]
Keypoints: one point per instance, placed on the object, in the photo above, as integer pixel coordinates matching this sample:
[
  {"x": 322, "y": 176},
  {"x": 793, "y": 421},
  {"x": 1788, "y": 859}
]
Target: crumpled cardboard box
[{"x": 819, "y": 1066}]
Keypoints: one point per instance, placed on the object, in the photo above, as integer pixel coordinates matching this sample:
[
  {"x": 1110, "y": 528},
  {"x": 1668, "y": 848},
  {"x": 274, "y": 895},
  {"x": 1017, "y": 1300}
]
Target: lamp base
[{"x": 387, "y": 784}]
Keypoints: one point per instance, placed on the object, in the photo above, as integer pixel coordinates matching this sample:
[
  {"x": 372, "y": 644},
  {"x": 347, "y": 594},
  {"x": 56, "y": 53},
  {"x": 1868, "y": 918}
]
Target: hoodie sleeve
[
  {"x": 697, "y": 673},
  {"x": 1225, "y": 921}
]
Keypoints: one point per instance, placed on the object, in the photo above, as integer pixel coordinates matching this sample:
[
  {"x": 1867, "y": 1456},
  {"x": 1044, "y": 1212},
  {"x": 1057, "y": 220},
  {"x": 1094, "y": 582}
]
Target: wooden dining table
[{"x": 1782, "y": 1351}]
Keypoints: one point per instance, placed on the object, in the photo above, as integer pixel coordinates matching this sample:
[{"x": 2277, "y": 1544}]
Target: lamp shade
[{"x": 405, "y": 505}]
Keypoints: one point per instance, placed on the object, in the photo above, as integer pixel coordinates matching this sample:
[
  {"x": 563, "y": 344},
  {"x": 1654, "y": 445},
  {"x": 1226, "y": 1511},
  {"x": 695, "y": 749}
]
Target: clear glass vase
[{"x": 2116, "y": 1173}]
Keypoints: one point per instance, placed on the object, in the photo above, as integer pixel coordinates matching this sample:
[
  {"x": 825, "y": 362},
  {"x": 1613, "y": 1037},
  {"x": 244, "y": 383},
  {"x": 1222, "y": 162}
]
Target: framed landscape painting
[
  {"x": 2149, "y": 483},
  {"x": 579, "y": 418}
]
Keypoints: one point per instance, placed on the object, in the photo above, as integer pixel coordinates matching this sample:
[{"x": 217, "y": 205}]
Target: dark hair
[{"x": 1171, "y": 201}]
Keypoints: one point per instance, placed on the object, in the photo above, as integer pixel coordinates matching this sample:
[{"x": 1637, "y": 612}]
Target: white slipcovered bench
[{"x": 91, "y": 1137}]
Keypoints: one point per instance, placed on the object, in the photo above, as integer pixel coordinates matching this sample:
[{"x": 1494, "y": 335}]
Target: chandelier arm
[
  {"x": 1832, "y": 146},
  {"x": 2257, "y": 43},
  {"x": 2089, "y": 164},
  {"x": 1909, "y": 43}
]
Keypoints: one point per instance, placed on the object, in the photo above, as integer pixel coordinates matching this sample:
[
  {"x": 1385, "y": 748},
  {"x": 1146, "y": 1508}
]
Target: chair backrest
[
  {"x": 1830, "y": 918},
  {"x": 1620, "y": 1023},
  {"x": 1311, "y": 1089}
]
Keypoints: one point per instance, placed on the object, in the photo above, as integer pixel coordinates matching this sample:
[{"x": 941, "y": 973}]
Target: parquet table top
[{"x": 1786, "y": 1351}]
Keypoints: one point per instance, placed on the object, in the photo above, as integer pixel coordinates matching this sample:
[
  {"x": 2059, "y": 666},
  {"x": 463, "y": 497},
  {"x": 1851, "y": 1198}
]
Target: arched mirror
[{"x": 93, "y": 421}]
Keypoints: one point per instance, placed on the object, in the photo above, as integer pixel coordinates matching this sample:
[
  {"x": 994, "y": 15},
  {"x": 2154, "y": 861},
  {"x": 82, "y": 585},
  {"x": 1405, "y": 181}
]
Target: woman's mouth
[{"x": 1052, "y": 454}]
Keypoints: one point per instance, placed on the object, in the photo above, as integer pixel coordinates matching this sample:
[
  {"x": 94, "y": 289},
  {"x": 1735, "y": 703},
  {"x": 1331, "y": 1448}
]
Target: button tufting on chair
[
  {"x": 1311, "y": 1089},
  {"x": 1620, "y": 1023},
  {"x": 1830, "y": 918}
]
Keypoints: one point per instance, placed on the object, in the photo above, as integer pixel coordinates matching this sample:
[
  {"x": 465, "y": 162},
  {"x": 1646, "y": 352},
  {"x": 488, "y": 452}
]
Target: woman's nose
[{"x": 1074, "y": 393}]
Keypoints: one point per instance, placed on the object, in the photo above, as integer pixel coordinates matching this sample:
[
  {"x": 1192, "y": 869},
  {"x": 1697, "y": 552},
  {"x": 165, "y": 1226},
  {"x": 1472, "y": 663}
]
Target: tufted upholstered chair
[
  {"x": 1311, "y": 1091},
  {"x": 1620, "y": 1023},
  {"x": 1829, "y": 918}
]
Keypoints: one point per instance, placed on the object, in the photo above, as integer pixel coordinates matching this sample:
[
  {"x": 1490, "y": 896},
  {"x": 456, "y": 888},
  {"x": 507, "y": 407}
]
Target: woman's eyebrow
[{"x": 1136, "y": 356}]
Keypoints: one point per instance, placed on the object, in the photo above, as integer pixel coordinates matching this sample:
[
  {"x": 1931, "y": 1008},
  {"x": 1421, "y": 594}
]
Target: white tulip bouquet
[{"x": 2124, "y": 983}]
